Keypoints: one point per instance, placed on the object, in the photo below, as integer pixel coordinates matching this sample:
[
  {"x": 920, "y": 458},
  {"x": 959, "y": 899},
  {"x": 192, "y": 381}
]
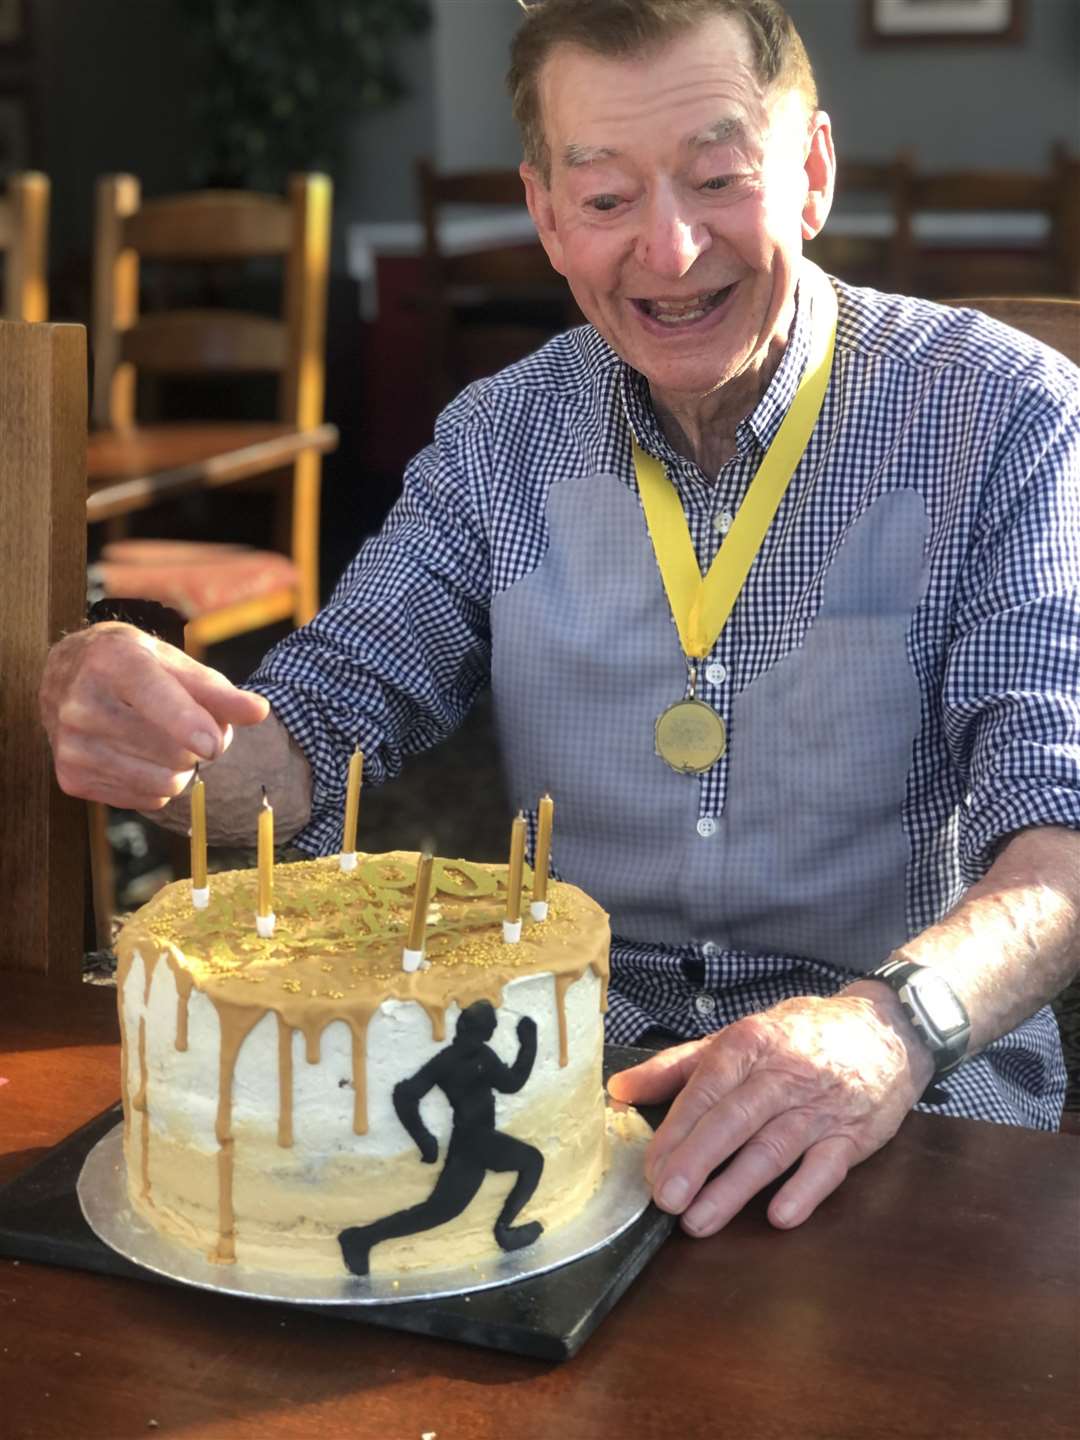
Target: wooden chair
[
  {"x": 861, "y": 250},
  {"x": 221, "y": 591},
  {"x": 43, "y": 562},
  {"x": 493, "y": 302},
  {"x": 1055, "y": 322},
  {"x": 24, "y": 245},
  {"x": 1049, "y": 269}
]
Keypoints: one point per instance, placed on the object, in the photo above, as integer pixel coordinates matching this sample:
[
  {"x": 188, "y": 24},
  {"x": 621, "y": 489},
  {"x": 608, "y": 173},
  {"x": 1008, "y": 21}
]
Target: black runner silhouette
[{"x": 468, "y": 1072}]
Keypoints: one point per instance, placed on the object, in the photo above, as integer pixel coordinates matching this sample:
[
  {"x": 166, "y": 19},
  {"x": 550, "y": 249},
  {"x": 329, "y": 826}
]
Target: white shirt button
[
  {"x": 716, "y": 673},
  {"x": 705, "y": 1005},
  {"x": 723, "y": 522},
  {"x": 710, "y": 949},
  {"x": 706, "y": 826}
]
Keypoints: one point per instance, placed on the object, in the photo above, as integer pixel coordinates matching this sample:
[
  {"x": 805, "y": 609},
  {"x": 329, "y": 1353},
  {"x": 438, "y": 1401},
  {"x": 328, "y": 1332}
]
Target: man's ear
[
  {"x": 820, "y": 167},
  {"x": 538, "y": 199}
]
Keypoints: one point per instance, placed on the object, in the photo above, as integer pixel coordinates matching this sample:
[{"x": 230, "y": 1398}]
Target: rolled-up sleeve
[{"x": 1012, "y": 688}]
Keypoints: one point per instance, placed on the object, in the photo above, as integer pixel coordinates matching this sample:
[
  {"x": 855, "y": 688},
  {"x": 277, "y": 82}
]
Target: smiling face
[{"x": 677, "y": 203}]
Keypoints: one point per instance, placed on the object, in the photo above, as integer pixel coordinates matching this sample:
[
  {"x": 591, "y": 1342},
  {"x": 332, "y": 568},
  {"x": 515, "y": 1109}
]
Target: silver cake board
[{"x": 547, "y": 1316}]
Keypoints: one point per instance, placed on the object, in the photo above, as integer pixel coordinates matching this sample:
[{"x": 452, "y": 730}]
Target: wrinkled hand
[
  {"x": 827, "y": 1081},
  {"x": 128, "y": 715}
]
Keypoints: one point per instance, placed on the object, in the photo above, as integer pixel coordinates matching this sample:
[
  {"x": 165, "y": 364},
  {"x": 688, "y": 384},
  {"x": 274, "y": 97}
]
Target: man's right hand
[{"x": 128, "y": 715}]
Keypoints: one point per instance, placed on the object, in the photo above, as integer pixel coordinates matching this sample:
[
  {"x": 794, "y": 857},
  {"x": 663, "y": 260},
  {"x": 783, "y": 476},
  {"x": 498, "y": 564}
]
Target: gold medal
[{"x": 690, "y": 736}]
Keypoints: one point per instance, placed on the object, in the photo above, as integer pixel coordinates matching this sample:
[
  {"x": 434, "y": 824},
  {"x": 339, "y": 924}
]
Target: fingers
[
  {"x": 717, "y": 1067},
  {"x": 228, "y": 704},
  {"x": 824, "y": 1167},
  {"x": 128, "y": 716},
  {"x": 127, "y": 781},
  {"x": 191, "y": 704},
  {"x": 678, "y": 1172},
  {"x": 656, "y": 1079},
  {"x": 767, "y": 1153}
]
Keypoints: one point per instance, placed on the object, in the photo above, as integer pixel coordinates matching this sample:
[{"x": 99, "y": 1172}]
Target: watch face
[{"x": 937, "y": 1002}]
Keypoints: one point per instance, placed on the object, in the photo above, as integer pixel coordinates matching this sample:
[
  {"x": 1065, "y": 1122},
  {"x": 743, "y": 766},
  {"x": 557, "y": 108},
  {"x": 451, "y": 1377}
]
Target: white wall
[
  {"x": 958, "y": 106},
  {"x": 470, "y": 51}
]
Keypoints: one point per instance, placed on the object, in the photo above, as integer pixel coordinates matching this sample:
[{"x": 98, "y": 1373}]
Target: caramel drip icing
[
  {"x": 125, "y": 1097},
  {"x": 236, "y": 1024},
  {"x": 358, "y": 1025},
  {"x": 285, "y": 1084},
  {"x": 562, "y": 984},
  {"x": 138, "y": 1102},
  {"x": 312, "y": 1041},
  {"x": 185, "y": 983},
  {"x": 437, "y": 1015}
]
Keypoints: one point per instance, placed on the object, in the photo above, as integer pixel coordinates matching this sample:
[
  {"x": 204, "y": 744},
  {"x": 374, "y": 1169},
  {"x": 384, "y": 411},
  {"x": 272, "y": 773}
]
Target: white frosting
[{"x": 182, "y": 1087}]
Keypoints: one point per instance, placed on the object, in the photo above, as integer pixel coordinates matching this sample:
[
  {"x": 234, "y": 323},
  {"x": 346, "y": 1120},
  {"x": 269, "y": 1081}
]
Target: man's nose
[{"x": 670, "y": 240}]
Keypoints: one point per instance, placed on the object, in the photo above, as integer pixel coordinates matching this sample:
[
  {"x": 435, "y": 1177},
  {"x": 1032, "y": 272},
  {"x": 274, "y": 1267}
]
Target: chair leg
[
  {"x": 307, "y": 477},
  {"x": 103, "y": 874}
]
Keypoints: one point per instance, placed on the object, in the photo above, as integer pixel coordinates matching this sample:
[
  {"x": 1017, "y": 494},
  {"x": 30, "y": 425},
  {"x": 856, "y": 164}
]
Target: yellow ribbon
[{"x": 701, "y": 606}]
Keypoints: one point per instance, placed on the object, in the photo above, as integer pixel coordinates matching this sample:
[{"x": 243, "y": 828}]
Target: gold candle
[
  {"x": 198, "y": 832},
  {"x": 517, "y": 864},
  {"x": 352, "y": 810},
  {"x": 266, "y": 857},
  {"x": 545, "y": 817},
  {"x": 421, "y": 900}
]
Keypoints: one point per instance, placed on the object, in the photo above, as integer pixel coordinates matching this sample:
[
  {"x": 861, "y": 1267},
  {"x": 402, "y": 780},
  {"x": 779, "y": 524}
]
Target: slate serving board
[{"x": 548, "y": 1317}]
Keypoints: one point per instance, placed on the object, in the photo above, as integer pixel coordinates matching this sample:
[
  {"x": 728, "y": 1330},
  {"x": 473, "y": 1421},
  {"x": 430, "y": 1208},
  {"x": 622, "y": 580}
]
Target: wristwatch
[{"x": 933, "y": 1007}]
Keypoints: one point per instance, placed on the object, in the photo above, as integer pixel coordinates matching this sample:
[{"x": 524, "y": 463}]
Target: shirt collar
[{"x": 758, "y": 430}]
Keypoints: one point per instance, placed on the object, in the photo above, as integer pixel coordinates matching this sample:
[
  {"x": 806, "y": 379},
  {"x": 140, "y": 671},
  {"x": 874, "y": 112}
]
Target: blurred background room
[{"x": 374, "y": 297}]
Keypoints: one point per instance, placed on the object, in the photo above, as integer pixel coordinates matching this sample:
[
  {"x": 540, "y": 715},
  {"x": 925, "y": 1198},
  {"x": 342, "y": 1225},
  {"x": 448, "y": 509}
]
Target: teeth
[
  {"x": 675, "y": 312},
  {"x": 677, "y": 317}
]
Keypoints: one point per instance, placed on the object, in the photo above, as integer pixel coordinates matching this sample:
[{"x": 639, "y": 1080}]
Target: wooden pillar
[{"x": 43, "y": 575}]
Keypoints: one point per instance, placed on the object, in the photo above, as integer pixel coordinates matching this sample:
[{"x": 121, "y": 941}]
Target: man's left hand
[{"x": 826, "y": 1082}]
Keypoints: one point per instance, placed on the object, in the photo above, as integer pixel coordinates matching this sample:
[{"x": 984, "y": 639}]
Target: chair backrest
[
  {"x": 24, "y": 246},
  {"x": 1055, "y": 322},
  {"x": 210, "y": 225},
  {"x": 1052, "y": 268},
  {"x": 512, "y": 267},
  {"x": 871, "y": 253},
  {"x": 43, "y": 562},
  {"x": 491, "y": 300}
]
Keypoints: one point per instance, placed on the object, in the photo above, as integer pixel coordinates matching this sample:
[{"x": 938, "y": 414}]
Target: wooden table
[{"x": 936, "y": 1294}]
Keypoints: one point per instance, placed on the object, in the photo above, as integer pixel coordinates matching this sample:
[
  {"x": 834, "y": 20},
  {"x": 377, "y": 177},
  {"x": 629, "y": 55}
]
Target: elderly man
[{"x": 829, "y": 795}]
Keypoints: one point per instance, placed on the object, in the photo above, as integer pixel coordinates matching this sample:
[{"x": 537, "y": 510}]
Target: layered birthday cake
[{"x": 303, "y": 1103}]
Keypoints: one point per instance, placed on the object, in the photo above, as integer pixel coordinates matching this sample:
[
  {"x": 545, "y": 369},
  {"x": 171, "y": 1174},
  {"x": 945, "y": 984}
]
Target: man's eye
[
  {"x": 719, "y": 182},
  {"x": 603, "y": 202}
]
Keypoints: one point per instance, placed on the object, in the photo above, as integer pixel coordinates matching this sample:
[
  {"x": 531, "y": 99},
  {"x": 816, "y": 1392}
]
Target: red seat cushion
[{"x": 193, "y": 577}]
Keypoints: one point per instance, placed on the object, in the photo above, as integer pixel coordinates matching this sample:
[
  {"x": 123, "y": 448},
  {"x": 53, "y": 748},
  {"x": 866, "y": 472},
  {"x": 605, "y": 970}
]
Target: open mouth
[{"x": 684, "y": 312}]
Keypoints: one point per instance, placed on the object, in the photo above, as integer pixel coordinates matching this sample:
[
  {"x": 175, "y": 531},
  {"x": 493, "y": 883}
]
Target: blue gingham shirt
[{"x": 398, "y": 655}]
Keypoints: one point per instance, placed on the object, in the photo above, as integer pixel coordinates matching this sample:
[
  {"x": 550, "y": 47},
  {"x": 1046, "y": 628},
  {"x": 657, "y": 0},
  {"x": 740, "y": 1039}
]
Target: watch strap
[{"x": 947, "y": 1050}]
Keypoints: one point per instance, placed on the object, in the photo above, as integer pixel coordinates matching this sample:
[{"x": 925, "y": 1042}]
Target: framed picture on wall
[{"x": 956, "y": 20}]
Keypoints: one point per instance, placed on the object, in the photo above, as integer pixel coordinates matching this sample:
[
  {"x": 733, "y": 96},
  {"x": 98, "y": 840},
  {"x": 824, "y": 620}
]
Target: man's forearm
[
  {"x": 263, "y": 754},
  {"x": 1013, "y": 942}
]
